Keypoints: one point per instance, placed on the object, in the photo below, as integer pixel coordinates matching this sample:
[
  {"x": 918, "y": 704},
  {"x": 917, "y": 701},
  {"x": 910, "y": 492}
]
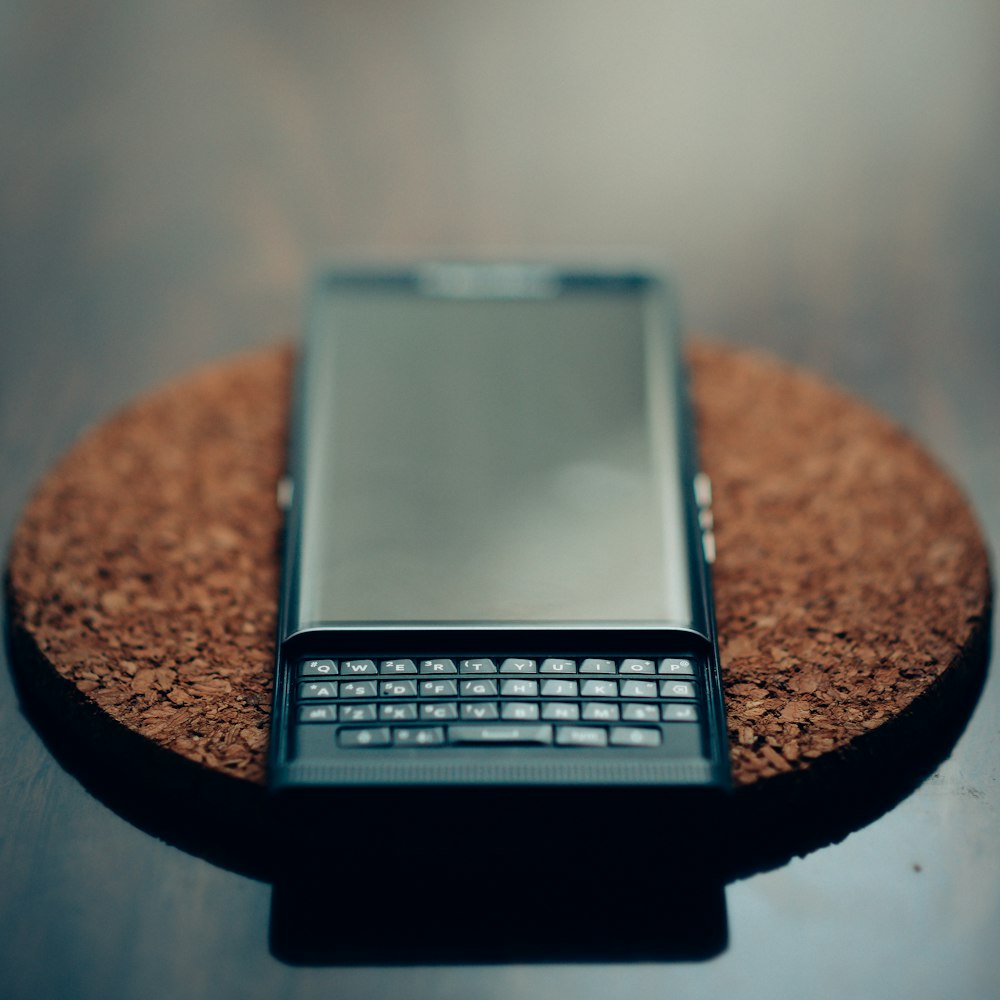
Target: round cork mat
[{"x": 852, "y": 588}]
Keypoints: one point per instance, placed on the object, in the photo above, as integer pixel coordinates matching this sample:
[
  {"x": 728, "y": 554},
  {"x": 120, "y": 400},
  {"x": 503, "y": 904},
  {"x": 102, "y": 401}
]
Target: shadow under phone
[
  {"x": 496, "y": 918},
  {"x": 556, "y": 880}
]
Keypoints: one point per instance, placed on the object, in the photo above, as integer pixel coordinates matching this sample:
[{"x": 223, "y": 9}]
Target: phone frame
[{"x": 453, "y": 767}]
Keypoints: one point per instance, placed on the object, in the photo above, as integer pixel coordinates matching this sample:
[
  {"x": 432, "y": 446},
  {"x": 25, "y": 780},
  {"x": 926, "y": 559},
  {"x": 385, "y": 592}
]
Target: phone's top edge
[{"x": 468, "y": 279}]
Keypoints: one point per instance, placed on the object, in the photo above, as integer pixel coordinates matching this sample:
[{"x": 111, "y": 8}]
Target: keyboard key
[
  {"x": 600, "y": 689},
  {"x": 438, "y": 689},
  {"x": 559, "y": 688},
  {"x": 554, "y": 665},
  {"x": 519, "y": 689},
  {"x": 438, "y": 667},
  {"x": 485, "y": 688},
  {"x": 638, "y": 689},
  {"x": 440, "y": 711},
  {"x": 478, "y": 666},
  {"x": 681, "y": 739},
  {"x": 561, "y": 711},
  {"x": 597, "y": 666},
  {"x": 677, "y": 689},
  {"x": 397, "y": 667},
  {"x": 317, "y": 668},
  {"x": 413, "y": 737},
  {"x": 513, "y": 665},
  {"x": 356, "y": 668},
  {"x": 497, "y": 734},
  {"x": 680, "y": 713},
  {"x": 318, "y": 689},
  {"x": 399, "y": 712},
  {"x": 318, "y": 713},
  {"x": 677, "y": 667},
  {"x": 484, "y": 711},
  {"x": 641, "y": 713},
  {"x": 357, "y": 713},
  {"x": 519, "y": 711},
  {"x": 633, "y": 736},
  {"x": 398, "y": 689},
  {"x": 357, "y": 689},
  {"x": 633, "y": 666},
  {"x": 581, "y": 736},
  {"x": 364, "y": 737},
  {"x": 595, "y": 711}
]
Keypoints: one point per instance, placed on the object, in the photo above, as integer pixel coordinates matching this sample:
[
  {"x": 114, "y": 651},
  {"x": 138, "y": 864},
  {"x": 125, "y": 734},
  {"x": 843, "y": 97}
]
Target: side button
[
  {"x": 708, "y": 544},
  {"x": 284, "y": 492},
  {"x": 703, "y": 490}
]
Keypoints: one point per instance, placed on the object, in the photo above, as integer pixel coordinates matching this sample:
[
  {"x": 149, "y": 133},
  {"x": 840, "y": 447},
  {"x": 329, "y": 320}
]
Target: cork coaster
[{"x": 852, "y": 588}]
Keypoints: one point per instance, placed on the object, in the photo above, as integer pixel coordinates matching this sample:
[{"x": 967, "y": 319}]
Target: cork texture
[{"x": 851, "y": 574}]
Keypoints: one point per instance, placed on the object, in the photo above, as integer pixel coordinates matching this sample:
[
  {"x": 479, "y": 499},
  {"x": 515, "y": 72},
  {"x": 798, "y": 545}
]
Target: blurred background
[
  {"x": 822, "y": 178},
  {"x": 813, "y": 173}
]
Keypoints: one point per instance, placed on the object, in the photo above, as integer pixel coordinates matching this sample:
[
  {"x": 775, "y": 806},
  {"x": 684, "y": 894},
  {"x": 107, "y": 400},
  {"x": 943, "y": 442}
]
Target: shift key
[{"x": 537, "y": 735}]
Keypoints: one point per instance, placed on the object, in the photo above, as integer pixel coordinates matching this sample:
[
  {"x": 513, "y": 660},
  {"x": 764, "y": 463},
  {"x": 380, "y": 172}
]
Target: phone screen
[{"x": 491, "y": 459}]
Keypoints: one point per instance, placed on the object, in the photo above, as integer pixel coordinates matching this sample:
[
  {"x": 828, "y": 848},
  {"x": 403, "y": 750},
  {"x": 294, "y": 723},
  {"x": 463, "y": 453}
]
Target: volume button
[
  {"x": 708, "y": 544},
  {"x": 703, "y": 490},
  {"x": 283, "y": 493},
  {"x": 706, "y": 519}
]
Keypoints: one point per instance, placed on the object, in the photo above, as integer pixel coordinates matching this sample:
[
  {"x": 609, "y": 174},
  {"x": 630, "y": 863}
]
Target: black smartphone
[{"x": 496, "y": 612}]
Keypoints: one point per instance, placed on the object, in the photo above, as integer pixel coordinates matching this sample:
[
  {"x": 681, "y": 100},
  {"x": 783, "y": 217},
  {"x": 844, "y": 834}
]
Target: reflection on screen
[{"x": 487, "y": 461}]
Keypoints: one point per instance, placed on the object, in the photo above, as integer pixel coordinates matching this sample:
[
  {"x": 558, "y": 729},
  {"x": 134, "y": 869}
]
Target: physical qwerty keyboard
[{"x": 483, "y": 701}]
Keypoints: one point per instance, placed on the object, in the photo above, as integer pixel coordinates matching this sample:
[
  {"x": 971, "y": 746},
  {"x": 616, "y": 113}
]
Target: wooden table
[{"x": 822, "y": 183}]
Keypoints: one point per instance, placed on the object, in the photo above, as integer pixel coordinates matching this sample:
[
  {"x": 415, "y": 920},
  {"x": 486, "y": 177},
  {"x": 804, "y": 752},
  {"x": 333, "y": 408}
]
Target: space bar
[{"x": 500, "y": 734}]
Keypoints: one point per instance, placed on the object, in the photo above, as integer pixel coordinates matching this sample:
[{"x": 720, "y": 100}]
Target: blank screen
[{"x": 492, "y": 460}]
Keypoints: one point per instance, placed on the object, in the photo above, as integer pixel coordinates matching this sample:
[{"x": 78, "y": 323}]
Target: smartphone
[{"x": 496, "y": 612}]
